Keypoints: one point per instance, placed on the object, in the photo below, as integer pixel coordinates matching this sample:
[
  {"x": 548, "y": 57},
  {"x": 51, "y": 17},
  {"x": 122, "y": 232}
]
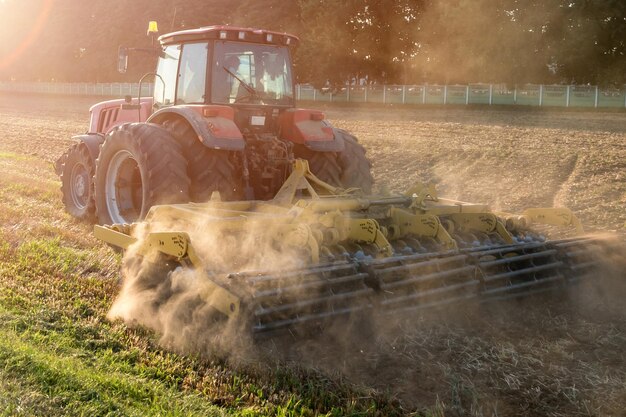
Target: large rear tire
[
  {"x": 139, "y": 165},
  {"x": 209, "y": 169},
  {"x": 347, "y": 169},
  {"x": 356, "y": 169},
  {"x": 77, "y": 170}
]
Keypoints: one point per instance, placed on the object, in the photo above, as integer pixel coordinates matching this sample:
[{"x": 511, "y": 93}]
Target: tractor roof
[{"x": 230, "y": 33}]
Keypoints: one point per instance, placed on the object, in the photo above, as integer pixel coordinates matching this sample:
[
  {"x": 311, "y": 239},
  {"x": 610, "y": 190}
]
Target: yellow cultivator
[{"x": 316, "y": 252}]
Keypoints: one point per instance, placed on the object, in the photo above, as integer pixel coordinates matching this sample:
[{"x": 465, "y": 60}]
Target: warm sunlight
[
  {"x": 10, "y": 28},
  {"x": 312, "y": 208}
]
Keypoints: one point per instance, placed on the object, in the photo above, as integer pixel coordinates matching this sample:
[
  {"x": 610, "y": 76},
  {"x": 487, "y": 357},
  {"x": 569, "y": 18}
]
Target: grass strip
[{"x": 73, "y": 387}]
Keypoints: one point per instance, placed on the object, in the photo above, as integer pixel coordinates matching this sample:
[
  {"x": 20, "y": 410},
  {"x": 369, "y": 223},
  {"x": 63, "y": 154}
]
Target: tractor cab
[{"x": 247, "y": 69}]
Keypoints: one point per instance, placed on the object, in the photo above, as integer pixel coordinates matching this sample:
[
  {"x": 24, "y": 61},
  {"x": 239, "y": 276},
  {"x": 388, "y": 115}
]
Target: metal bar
[
  {"x": 526, "y": 271},
  {"x": 411, "y": 258},
  {"x": 255, "y": 276},
  {"x": 512, "y": 259},
  {"x": 431, "y": 292},
  {"x": 428, "y": 277},
  {"x": 578, "y": 252},
  {"x": 327, "y": 300},
  {"x": 112, "y": 237},
  {"x": 309, "y": 286},
  {"x": 427, "y": 263},
  {"x": 307, "y": 318},
  {"x": 565, "y": 243},
  {"x": 507, "y": 294},
  {"x": 433, "y": 304},
  {"x": 505, "y": 248}
]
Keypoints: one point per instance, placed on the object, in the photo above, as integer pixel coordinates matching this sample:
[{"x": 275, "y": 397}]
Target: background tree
[{"x": 373, "y": 41}]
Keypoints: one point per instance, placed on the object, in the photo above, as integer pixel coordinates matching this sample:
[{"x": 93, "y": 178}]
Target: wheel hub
[
  {"x": 124, "y": 188},
  {"x": 80, "y": 186}
]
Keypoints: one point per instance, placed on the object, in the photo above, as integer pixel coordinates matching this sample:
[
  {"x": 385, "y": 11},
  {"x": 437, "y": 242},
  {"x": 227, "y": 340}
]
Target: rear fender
[
  {"x": 108, "y": 114},
  {"x": 214, "y": 125},
  {"x": 92, "y": 141},
  {"x": 309, "y": 128}
]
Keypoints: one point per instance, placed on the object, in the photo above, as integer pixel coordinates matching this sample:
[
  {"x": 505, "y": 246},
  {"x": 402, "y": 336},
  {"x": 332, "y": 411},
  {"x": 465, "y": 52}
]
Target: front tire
[
  {"x": 77, "y": 171},
  {"x": 140, "y": 165}
]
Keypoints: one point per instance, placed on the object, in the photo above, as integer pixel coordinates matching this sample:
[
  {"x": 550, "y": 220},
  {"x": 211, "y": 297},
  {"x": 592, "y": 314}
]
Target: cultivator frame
[{"x": 361, "y": 254}]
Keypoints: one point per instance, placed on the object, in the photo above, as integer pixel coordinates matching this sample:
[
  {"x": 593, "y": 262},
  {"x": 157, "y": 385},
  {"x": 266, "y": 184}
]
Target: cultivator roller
[{"x": 316, "y": 253}]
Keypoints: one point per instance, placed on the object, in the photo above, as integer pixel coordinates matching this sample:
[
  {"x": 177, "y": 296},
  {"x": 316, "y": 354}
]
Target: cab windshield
[{"x": 251, "y": 73}]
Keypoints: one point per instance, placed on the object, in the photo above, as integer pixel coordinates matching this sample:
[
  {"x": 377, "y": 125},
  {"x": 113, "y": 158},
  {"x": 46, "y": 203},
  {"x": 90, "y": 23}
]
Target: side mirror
[{"x": 122, "y": 59}]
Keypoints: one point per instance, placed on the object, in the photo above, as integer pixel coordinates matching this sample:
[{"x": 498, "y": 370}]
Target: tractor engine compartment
[{"x": 265, "y": 164}]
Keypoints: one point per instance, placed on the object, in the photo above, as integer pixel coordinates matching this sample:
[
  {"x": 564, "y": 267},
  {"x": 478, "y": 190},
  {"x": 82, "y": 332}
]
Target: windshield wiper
[{"x": 251, "y": 90}]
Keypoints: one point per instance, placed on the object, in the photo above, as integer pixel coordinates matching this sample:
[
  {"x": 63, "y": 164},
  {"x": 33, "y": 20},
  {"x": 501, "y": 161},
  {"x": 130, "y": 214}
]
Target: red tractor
[{"x": 222, "y": 119}]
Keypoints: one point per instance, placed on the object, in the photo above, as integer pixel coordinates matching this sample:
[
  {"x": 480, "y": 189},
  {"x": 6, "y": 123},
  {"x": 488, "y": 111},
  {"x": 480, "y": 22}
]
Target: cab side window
[
  {"x": 165, "y": 81},
  {"x": 192, "y": 76}
]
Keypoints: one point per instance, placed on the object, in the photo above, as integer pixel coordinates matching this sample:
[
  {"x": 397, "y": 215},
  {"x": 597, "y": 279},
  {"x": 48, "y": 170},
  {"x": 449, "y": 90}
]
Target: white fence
[
  {"x": 490, "y": 94},
  {"x": 81, "y": 89}
]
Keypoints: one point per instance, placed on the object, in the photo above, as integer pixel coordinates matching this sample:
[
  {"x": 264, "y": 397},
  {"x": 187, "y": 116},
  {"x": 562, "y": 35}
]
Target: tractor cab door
[
  {"x": 166, "y": 77},
  {"x": 181, "y": 75},
  {"x": 192, "y": 74}
]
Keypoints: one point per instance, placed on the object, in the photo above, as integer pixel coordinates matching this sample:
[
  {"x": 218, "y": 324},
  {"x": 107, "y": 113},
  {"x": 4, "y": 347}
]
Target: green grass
[{"x": 81, "y": 384}]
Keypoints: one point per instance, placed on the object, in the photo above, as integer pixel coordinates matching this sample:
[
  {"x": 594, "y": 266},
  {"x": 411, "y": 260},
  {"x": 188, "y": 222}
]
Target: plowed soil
[{"x": 546, "y": 357}]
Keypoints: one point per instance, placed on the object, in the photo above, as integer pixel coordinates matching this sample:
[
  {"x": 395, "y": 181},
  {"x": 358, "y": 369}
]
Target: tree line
[{"x": 360, "y": 41}]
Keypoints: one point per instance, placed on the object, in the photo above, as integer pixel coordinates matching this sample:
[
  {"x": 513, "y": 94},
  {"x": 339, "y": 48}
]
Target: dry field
[{"x": 553, "y": 357}]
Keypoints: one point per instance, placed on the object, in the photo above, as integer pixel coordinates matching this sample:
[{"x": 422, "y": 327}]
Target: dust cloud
[
  {"x": 604, "y": 291},
  {"x": 173, "y": 300},
  {"x": 412, "y": 356},
  {"x": 177, "y": 302}
]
